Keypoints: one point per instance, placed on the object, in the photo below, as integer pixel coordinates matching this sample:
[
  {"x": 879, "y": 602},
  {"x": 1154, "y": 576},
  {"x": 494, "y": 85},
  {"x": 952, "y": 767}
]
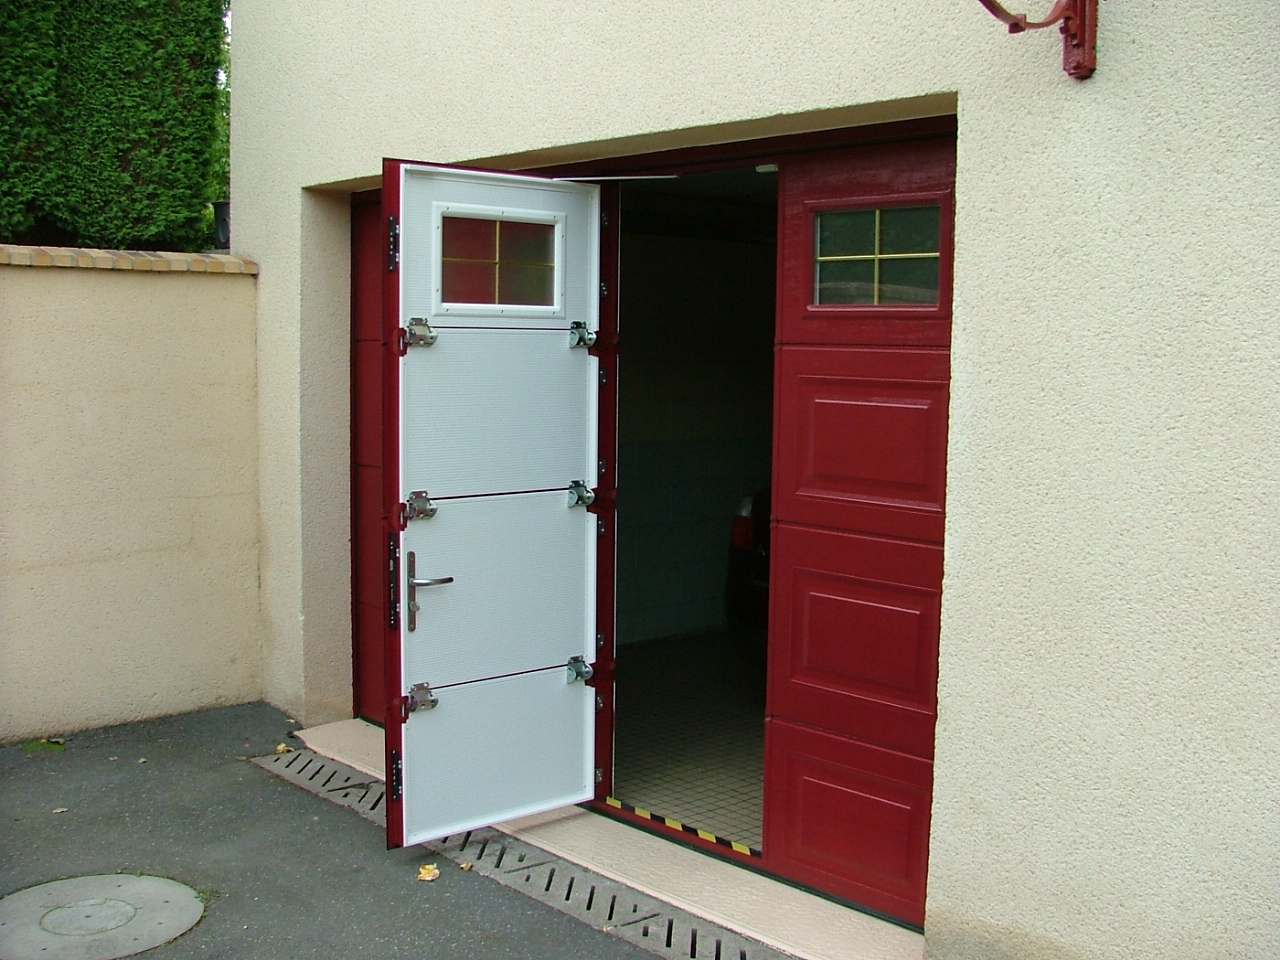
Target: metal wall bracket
[
  {"x": 1077, "y": 21},
  {"x": 580, "y": 495},
  {"x": 579, "y": 669},
  {"x": 421, "y": 697},
  {"x": 580, "y": 336},
  {"x": 417, "y": 334}
]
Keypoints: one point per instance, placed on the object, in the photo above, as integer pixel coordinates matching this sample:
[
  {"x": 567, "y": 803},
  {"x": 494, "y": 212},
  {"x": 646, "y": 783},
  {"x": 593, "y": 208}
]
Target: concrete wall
[
  {"x": 1106, "y": 765},
  {"x": 128, "y": 478}
]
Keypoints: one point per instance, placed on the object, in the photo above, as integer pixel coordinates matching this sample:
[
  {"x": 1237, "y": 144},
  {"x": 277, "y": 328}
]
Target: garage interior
[{"x": 696, "y": 330}]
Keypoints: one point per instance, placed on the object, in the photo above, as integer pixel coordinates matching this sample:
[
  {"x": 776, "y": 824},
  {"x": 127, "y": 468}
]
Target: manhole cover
[{"x": 95, "y": 918}]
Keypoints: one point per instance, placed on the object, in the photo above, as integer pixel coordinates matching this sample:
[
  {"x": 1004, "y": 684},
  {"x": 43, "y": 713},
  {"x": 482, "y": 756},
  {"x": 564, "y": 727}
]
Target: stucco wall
[
  {"x": 1106, "y": 779},
  {"x": 128, "y": 478}
]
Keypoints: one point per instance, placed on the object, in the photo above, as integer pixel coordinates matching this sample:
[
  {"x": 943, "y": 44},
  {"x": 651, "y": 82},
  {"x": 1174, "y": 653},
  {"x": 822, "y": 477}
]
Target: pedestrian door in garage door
[{"x": 492, "y": 294}]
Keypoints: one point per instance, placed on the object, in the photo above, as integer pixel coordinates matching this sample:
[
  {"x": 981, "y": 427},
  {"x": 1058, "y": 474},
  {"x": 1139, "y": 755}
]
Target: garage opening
[{"x": 695, "y": 412}]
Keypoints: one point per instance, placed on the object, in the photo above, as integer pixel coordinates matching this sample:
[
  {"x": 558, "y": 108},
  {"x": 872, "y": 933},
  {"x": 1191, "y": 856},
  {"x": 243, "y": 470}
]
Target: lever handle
[
  {"x": 414, "y": 583},
  {"x": 431, "y": 582}
]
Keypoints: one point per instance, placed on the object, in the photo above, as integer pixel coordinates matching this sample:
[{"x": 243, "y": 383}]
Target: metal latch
[
  {"x": 417, "y": 334},
  {"x": 580, "y": 494},
  {"x": 418, "y": 506},
  {"x": 421, "y": 697},
  {"x": 579, "y": 669},
  {"x": 580, "y": 336}
]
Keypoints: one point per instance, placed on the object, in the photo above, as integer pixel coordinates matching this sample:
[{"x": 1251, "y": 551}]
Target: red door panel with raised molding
[{"x": 863, "y": 371}]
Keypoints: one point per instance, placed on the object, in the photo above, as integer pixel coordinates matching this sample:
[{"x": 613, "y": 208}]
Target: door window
[
  {"x": 497, "y": 261},
  {"x": 882, "y": 257}
]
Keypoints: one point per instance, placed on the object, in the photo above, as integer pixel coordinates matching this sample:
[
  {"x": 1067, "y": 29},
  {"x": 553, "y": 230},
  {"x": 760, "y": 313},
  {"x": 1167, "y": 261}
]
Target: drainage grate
[
  {"x": 332, "y": 780},
  {"x": 605, "y": 904}
]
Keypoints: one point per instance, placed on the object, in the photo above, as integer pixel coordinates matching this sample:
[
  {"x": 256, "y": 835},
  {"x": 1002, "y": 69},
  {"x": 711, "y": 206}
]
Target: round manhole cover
[{"x": 95, "y": 918}]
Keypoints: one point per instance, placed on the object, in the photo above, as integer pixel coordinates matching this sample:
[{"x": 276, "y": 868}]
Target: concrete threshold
[{"x": 782, "y": 916}]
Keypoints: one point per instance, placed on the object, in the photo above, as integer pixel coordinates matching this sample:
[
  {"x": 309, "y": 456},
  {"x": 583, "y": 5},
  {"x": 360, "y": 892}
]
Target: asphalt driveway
[{"x": 285, "y": 874}]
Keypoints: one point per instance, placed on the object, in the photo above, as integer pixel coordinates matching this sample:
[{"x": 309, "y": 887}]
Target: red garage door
[{"x": 864, "y": 333}]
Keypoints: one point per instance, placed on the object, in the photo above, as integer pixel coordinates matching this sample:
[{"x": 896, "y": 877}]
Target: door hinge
[
  {"x": 580, "y": 495},
  {"x": 579, "y": 669},
  {"x": 417, "y": 507},
  {"x": 395, "y": 782},
  {"x": 393, "y": 564},
  {"x": 580, "y": 336},
  {"x": 421, "y": 697},
  {"x": 393, "y": 242},
  {"x": 417, "y": 334}
]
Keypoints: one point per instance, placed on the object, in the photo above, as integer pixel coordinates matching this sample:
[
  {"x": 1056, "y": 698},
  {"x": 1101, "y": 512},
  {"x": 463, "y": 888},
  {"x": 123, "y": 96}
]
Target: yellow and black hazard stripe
[{"x": 682, "y": 827}]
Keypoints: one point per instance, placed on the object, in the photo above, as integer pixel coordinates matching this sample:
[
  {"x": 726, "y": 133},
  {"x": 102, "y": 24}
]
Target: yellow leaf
[
  {"x": 466, "y": 866},
  {"x": 60, "y": 810},
  {"x": 283, "y": 748},
  {"x": 428, "y": 872}
]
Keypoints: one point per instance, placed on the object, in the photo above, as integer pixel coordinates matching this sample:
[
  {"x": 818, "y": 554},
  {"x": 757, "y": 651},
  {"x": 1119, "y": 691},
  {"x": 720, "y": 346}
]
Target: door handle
[
  {"x": 414, "y": 583},
  {"x": 433, "y": 582}
]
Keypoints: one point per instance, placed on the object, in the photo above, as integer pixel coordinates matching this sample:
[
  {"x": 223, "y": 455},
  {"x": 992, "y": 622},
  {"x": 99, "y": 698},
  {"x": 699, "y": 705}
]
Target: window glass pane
[
  {"x": 526, "y": 284},
  {"x": 526, "y": 242},
  {"x": 846, "y": 233},
  {"x": 909, "y": 281},
  {"x": 846, "y": 281},
  {"x": 467, "y": 239},
  {"x": 468, "y": 281},
  {"x": 909, "y": 229},
  {"x": 497, "y": 261}
]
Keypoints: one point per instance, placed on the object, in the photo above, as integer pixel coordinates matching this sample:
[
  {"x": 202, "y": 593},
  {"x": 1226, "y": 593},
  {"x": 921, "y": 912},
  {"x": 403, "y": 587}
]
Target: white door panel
[
  {"x": 497, "y": 417},
  {"x": 523, "y": 588},
  {"x": 499, "y": 411},
  {"x": 495, "y": 750}
]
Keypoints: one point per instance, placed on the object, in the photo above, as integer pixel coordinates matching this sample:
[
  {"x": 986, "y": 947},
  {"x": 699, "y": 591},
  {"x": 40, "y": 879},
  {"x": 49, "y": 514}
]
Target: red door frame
[{"x": 685, "y": 160}]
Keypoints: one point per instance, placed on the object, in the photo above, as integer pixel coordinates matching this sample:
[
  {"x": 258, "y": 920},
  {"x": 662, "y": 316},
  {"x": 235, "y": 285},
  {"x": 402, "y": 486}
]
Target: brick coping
[{"x": 18, "y": 255}]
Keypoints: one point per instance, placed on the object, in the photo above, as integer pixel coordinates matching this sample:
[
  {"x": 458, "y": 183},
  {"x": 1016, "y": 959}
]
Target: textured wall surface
[
  {"x": 128, "y": 531},
  {"x": 1106, "y": 780}
]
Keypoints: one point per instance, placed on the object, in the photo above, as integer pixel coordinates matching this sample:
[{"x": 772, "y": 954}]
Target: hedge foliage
[{"x": 109, "y": 122}]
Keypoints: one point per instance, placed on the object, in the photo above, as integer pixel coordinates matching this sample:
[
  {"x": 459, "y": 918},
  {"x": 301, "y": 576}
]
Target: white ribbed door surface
[{"x": 498, "y": 417}]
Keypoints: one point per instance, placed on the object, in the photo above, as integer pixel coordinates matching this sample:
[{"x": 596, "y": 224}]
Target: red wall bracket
[{"x": 1078, "y": 24}]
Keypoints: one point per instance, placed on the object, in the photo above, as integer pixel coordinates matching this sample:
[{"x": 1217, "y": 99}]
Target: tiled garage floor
[{"x": 689, "y": 735}]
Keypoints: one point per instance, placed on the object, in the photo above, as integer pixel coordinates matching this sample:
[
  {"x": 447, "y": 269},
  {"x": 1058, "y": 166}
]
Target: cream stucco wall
[
  {"x": 128, "y": 478},
  {"x": 1106, "y": 779}
]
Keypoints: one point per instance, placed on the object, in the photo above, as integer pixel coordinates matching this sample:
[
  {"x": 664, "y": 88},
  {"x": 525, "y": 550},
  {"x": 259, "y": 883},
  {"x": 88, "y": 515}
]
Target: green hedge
[{"x": 109, "y": 122}]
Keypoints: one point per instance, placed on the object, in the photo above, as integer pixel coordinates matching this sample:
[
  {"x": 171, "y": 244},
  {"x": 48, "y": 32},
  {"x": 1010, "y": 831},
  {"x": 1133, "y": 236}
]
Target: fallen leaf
[
  {"x": 142, "y": 759},
  {"x": 49, "y": 745},
  {"x": 466, "y": 866},
  {"x": 428, "y": 872},
  {"x": 59, "y": 809},
  {"x": 58, "y": 740},
  {"x": 113, "y": 758},
  {"x": 242, "y": 758},
  {"x": 283, "y": 748}
]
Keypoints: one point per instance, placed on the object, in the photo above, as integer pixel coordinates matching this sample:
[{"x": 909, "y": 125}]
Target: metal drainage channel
[
  {"x": 344, "y": 785},
  {"x": 605, "y": 904}
]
